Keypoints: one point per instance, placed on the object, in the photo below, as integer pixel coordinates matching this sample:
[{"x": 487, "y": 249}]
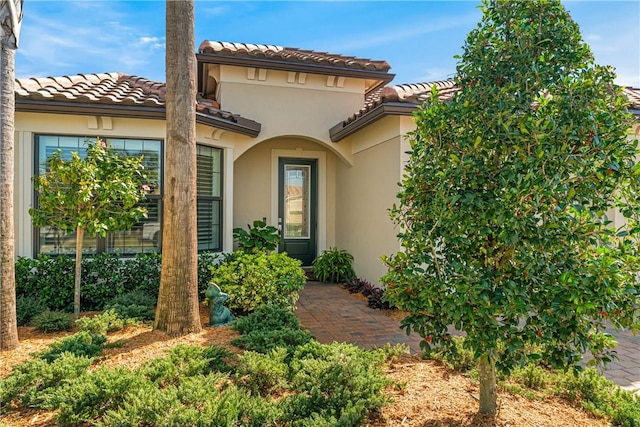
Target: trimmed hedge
[{"x": 105, "y": 276}]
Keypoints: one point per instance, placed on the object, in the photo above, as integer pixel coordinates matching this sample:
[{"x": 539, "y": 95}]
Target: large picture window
[{"x": 144, "y": 237}]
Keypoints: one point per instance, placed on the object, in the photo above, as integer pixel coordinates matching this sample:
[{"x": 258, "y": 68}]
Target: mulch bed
[{"x": 427, "y": 394}]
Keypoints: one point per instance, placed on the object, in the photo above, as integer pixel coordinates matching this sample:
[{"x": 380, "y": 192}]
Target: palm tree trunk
[
  {"x": 177, "y": 312},
  {"x": 8, "y": 322}
]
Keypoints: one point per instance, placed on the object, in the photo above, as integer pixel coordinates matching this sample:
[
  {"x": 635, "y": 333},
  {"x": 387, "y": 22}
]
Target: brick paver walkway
[{"x": 332, "y": 314}]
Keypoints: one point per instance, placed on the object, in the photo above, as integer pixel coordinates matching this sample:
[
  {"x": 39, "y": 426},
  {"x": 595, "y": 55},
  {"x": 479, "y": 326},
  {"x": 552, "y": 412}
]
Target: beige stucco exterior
[
  {"x": 357, "y": 179},
  {"x": 288, "y": 104},
  {"x": 366, "y": 191}
]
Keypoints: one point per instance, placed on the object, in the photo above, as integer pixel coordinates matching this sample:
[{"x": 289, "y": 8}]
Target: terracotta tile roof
[
  {"x": 107, "y": 88},
  {"x": 120, "y": 91},
  {"x": 418, "y": 93},
  {"x": 411, "y": 94},
  {"x": 291, "y": 54},
  {"x": 402, "y": 98},
  {"x": 633, "y": 94}
]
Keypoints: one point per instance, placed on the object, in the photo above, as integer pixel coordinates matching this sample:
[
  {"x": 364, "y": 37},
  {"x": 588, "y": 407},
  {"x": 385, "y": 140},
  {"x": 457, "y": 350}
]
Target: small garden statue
[{"x": 219, "y": 315}]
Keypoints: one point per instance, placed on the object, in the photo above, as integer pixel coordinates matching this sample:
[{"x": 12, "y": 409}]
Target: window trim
[
  {"x": 101, "y": 242},
  {"x": 219, "y": 199}
]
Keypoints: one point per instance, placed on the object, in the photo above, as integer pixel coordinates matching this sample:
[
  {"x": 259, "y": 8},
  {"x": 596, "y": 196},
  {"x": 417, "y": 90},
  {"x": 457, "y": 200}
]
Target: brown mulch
[{"x": 426, "y": 395}]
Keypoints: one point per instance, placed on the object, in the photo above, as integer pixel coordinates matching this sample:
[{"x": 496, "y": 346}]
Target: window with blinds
[
  {"x": 142, "y": 237},
  {"x": 209, "y": 194},
  {"x": 145, "y": 236}
]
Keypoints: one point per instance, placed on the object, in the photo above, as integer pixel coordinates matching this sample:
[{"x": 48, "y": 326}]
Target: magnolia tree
[
  {"x": 97, "y": 194},
  {"x": 503, "y": 207}
]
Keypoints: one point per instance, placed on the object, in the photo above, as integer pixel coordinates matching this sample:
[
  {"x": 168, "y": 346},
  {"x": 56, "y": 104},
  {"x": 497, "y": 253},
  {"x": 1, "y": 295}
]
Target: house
[{"x": 311, "y": 142}]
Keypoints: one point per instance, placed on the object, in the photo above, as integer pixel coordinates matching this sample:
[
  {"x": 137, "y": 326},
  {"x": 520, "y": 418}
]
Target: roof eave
[
  {"x": 341, "y": 131},
  {"x": 241, "y": 125},
  {"x": 383, "y": 76},
  {"x": 85, "y": 109}
]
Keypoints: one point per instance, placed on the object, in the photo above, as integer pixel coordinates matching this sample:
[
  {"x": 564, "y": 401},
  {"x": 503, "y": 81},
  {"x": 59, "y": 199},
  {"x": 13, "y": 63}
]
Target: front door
[{"x": 297, "y": 211}]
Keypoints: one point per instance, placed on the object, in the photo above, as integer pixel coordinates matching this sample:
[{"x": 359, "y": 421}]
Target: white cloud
[
  {"x": 153, "y": 42},
  {"x": 100, "y": 40},
  {"x": 147, "y": 40}
]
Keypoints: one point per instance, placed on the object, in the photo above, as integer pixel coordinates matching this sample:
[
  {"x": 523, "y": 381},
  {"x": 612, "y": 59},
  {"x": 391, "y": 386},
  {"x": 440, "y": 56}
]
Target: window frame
[
  {"x": 219, "y": 199},
  {"x": 102, "y": 242}
]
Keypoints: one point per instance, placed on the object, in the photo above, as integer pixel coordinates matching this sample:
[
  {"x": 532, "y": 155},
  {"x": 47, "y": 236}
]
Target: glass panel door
[
  {"x": 296, "y": 205},
  {"x": 297, "y": 200}
]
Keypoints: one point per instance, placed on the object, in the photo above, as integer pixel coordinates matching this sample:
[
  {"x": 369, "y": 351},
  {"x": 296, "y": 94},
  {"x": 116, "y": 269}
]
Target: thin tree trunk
[
  {"x": 78, "y": 274},
  {"x": 8, "y": 323},
  {"x": 488, "y": 393},
  {"x": 177, "y": 312}
]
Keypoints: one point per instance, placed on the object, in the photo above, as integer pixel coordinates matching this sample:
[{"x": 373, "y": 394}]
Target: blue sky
[{"x": 417, "y": 38}]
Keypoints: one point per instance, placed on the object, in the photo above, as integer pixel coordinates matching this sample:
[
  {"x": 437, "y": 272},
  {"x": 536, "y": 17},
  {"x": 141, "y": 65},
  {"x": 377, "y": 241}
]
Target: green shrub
[
  {"x": 137, "y": 304},
  {"x": 30, "y": 382},
  {"x": 336, "y": 380},
  {"x": 26, "y": 276},
  {"x": 531, "y": 376},
  {"x": 107, "y": 321},
  {"x": 102, "y": 280},
  {"x": 48, "y": 278},
  {"x": 265, "y": 340},
  {"x": 146, "y": 406},
  {"x": 27, "y": 307},
  {"x": 135, "y": 312},
  {"x": 196, "y": 401},
  {"x": 333, "y": 265},
  {"x": 134, "y": 297},
  {"x": 143, "y": 273},
  {"x": 186, "y": 361},
  {"x": 52, "y": 321},
  {"x": 263, "y": 373},
  {"x": 266, "y": 317},
  {"x": 105, "y": 277},
  {"x": 89, "y": 396},
  {"x": 461, "y": 359},
  {"x": 599, "y": 396},
  {"x": 260, "y": 237},
  {"x": 81, "y": 344},
  {"x": 627, "y": 414},
  {"x": 253, "y": 280}
]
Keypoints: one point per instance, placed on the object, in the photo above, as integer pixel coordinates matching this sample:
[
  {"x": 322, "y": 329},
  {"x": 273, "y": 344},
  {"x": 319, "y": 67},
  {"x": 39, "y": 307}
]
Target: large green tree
[
  {"x": 97, "y": 194},
  {"x": 503, "y": 207}
]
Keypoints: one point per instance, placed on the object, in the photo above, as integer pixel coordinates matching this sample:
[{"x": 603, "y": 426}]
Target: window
[
  {"x": 143, "y": 237},
  {"x": 209, "y": 195}
]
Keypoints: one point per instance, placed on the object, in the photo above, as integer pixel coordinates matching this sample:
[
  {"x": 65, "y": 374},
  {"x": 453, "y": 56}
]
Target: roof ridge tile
[{"x": 291, "y": 54}]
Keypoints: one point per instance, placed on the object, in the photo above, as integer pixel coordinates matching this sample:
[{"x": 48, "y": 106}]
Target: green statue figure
[{"x": 219, "y": 315}]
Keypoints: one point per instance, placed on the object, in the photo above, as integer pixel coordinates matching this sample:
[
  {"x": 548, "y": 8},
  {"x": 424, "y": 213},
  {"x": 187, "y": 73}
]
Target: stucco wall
[
  {"x": 365, "y": 192},
  {"x": 308, "y": 106}
]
